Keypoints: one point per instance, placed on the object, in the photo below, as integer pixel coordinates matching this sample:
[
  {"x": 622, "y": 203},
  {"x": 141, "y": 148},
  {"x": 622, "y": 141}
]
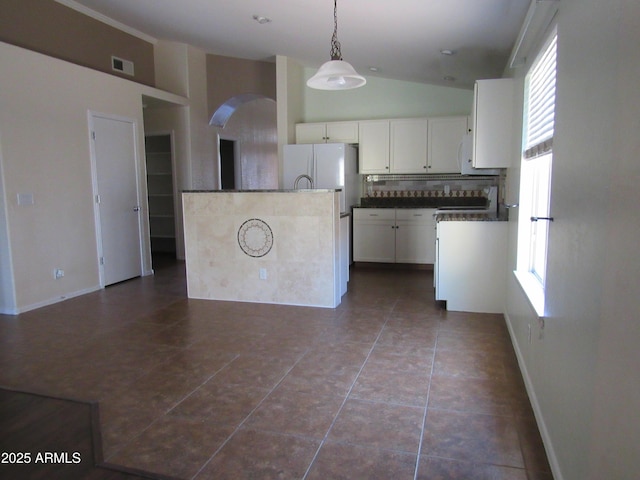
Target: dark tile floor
[{"x": 388, "y": 385}]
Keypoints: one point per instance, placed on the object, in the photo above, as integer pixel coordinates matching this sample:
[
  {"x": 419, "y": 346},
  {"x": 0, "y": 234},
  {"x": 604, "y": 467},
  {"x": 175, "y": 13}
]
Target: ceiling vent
[{"x": 121, "y": 65}]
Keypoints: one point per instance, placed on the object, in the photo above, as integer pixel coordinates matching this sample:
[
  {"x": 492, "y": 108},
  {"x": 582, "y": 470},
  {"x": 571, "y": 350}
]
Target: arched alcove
[
  {"x": 250, "y": 120},
  {"x": 228, "y": 108}
]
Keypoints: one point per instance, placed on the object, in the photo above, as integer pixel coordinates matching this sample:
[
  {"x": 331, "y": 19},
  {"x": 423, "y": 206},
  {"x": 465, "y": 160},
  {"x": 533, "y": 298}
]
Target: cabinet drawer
[
  {"x": 421, "y": 215},
  {"x": 374, "y": 214}
]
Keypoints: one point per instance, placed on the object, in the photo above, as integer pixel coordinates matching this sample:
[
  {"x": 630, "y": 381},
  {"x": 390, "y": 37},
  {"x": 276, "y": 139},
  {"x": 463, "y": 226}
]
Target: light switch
[{"x": 25, "y": 199}]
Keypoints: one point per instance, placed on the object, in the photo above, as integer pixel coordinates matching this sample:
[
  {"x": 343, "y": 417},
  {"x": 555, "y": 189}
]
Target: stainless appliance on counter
[{"x": 323, "y": 165}]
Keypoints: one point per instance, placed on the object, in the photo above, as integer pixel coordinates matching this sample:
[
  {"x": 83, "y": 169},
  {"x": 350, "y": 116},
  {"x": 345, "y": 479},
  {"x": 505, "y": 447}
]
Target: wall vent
[{"x": 121, "y": 65}]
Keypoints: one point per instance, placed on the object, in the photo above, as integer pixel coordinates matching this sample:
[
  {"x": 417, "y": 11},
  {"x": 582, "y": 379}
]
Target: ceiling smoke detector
[{"x": 261, "y": 19}]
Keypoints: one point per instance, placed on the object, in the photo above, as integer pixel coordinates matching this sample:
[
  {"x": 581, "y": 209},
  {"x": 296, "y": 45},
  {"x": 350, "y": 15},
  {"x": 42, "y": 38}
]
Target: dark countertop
[
  {"x": 457, "y": 216},
  {"x": 471, "y": 217}
]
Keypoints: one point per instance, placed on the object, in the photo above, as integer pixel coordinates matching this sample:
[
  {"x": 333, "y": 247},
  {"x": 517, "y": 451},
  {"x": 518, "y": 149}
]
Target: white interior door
[{"x": 117, "y": 198}]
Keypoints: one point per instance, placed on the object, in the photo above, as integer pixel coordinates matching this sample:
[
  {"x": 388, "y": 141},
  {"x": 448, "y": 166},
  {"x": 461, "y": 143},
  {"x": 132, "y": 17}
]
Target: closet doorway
[{"x": 160, "y": 191}]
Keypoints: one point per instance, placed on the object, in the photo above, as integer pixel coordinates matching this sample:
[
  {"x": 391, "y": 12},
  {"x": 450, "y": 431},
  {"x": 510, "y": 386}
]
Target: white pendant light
[{"x": 336, "y": 74}]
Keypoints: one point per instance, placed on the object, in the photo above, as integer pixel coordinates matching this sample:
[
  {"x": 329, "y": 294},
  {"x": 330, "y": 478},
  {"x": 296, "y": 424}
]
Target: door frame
[
  {"x": 91, "y": 114},
  {"x": 237, "y": 164},
  {"x": 177, "y": 200}
]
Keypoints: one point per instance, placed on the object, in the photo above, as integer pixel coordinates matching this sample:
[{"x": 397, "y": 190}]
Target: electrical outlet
[
  {"x": 263, "y": 274},
  {"x": 58, "y": 273}
]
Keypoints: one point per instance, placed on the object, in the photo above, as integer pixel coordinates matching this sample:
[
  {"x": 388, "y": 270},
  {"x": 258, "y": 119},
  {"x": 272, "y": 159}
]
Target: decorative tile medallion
[{"x": 255, "y": 237}]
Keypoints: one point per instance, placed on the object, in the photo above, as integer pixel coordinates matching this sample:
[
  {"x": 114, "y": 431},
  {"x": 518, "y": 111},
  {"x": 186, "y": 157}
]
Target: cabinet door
[
  {"x": 311, "y": 133},
  {"x": 493, "y": 123},
  {"x": 342, "y": 132},
  {"x": 472, "y": 265},
  {"x": 374, "y": 146},
  {"x": 374, "y": 235},
  {"x": 415, "y": 236},
  {"x": 408, "y": 145},
  {"x": 445, "y": 140}
]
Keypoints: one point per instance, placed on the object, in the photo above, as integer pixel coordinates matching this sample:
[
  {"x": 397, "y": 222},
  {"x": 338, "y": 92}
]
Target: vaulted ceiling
[{"x": 401, "y": 39}]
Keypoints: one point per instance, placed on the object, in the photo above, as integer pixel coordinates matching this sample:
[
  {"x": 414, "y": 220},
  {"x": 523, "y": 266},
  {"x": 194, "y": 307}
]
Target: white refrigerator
[{"x": 330, "y": 165}]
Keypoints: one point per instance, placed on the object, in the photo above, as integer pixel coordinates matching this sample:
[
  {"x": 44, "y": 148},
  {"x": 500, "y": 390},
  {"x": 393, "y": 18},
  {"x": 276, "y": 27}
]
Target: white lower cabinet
[
  {"x": 471, "y": 265},
  {"x": 345, "y": 226},
  {"x": 374, "y": 235},
  {"x": 394, "y": 235}
]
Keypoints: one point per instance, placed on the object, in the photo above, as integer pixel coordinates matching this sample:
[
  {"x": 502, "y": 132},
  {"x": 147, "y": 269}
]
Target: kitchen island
[{"x": 266, "y": 246}]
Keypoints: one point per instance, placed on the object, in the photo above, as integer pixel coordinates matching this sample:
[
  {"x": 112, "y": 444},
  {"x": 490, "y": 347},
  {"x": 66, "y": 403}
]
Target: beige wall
[
  {"x": 51, "y": 28},
  {"x": 581, "y": 367},
  {"x": 44, "y": 137},
  {"x": 301, "y": 267},
  {"x": 253, "y": 128},
  {"x": 228, "y": 77}
]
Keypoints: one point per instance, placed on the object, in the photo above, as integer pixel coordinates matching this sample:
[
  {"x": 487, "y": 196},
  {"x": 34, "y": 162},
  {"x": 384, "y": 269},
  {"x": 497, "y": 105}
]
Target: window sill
[{"x": 532, "y": 290}]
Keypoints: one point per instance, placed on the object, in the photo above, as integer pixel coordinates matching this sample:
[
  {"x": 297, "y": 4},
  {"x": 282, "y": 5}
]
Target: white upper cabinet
[
  {"x": 408, "y": 152},
  {"x": 493, "y": 123},
  {"x": 311, "y": 132},
  {"x": 396, "y": 146},
  {"x": 445, "y": 141},
  {"x": 374, "y": 146},
  {"x": 331, "y": 132},
  {"x": 342, "y": 132}
]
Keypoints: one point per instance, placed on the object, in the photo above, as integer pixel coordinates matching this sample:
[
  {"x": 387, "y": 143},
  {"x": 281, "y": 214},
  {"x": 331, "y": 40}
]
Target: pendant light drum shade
[{"x": 336, "y": 75}]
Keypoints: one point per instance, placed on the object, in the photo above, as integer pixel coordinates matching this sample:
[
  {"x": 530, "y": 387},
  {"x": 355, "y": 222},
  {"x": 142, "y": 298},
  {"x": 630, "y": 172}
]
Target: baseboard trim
[
  {"x": 51, "y": 301},
  {"x": 544, "y": 432}
]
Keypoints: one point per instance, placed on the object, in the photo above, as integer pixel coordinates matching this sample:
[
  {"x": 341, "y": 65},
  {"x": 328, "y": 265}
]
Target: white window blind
[{"x": 541, "y": 104}]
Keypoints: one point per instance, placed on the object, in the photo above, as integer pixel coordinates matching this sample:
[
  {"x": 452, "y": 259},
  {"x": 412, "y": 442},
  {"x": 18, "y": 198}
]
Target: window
[{"x": 535, "y": 179}]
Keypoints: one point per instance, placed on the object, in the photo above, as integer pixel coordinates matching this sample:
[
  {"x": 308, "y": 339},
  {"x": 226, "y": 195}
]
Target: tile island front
[{"x": 264, "y": 246}]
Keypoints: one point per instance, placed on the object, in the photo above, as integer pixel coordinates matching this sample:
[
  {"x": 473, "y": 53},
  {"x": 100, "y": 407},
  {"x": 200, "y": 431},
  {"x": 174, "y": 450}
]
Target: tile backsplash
[{"x": 441, "y": 186}]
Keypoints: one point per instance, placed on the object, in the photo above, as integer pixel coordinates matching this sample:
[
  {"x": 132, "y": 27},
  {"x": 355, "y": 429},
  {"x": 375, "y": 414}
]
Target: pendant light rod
[
  {"x": 336, "y": 74},
  {"x": 335, "y": 53}
]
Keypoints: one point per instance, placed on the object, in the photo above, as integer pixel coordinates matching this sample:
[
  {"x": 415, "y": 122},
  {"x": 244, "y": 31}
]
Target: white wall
[
  {"x": 7, "y": 290},
  {"x": 581, "y": 368},
  {"x": 203, "y": 153},
  {"x": 45, "y": 152},
  {"x": 290, "y": 101},
  {"x": 383, "y": 98}
]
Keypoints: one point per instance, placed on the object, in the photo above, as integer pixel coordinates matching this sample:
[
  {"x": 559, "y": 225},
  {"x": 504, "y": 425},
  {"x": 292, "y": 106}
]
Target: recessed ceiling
[{"x": 402, "y": 39}]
